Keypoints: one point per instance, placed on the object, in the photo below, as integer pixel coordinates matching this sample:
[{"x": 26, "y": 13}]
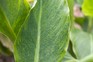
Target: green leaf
[
  {"x": 22, "y": 14},
  {"x": 12, "y": 15},
  {"x": 82, "y": 43},
  {"x": 44, "y": 35},
  {"x": 87, "y": 7},
  {"x": 88, "y": 58},
  {"x": 82, "y": 47},
  {"x": 5, "y": 26},
  {"x": 69, "y": 58}
]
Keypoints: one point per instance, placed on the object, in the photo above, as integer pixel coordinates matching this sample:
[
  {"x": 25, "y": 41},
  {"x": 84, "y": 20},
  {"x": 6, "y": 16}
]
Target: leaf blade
[
  {"x": 41, "y": 30},
  {"x": 13, "y": 12},
  {"x": 84, "y": 40},
  {"x": 5, "y": 26}
]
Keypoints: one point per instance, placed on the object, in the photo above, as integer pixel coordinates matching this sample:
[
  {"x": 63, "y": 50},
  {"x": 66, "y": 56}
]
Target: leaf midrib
[{"x": 36, "y": 58}]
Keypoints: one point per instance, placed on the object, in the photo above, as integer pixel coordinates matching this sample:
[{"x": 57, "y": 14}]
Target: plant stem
[{"x": 90, "y": 24}]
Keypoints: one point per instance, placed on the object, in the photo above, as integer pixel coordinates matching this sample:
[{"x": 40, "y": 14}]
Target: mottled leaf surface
[{"x": 44, "y": 35}]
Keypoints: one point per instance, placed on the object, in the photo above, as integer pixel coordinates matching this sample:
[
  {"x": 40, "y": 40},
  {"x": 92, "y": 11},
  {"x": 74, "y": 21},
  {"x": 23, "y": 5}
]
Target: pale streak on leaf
[{"x": 6, "y": 42}]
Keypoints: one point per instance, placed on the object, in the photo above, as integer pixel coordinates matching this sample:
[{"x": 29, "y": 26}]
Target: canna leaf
[
  {"x": 12, "y": 16},
  {"x": 82, "y": 47},
  {"x": 82, "y": 42},
  {"x": 69, "y": 58},
  {"x": 5, "y": 27},
  {"x": 88, "y": 58},
  {"x": 44, "y": 35}
]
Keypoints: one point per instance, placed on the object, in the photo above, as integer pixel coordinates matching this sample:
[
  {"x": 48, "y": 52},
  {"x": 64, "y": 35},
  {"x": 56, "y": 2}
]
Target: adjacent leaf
[
  {"x": 69, "y": 58},
  {"x": 12, "y": 16},
  {"x": 24, "y": 9},
  {"x": 88, "y": 58},
  {"x": 87, "y": 7},
  {"x": 44, "y": 35},
  {"x": 82, "y": 47},
  {"x": 5, "y": 26},
  {"x": 82, "y": 43}
]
